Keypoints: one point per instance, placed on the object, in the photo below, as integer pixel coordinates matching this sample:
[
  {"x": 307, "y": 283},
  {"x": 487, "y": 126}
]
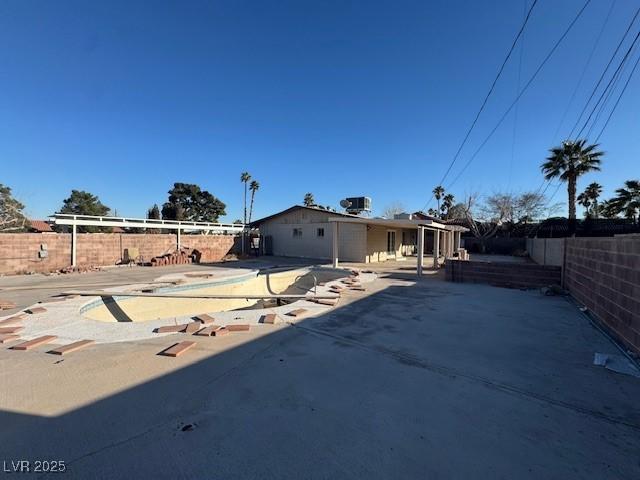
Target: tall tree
[
  {"x": 12, "y": 218},
  {"x": 569, "y": 162},
  {"x": 627, "y": 200},
  {"x": 447, "y": 203},
  {"x": 391, "y": 210},
  {"x": 188, "y": 201},
  {"x": 154, "y": 213},
  {"x": 584, "y": 201},
  {"x": 85, "y": 203},
  {"x": 589, "y": 200},
  {"x": 244, "y": 178},
  {"x": 254, "y": 187},
  {"x": 438, "y": 192},
  {"x": 309, "y": 201}
]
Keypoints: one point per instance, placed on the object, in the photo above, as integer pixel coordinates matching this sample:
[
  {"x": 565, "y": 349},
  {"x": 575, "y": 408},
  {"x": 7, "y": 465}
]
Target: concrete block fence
[
  {"x": 604, "y": 275},
  {"x": 25, "y": 252},
  {"x": 519, "y": 275}
]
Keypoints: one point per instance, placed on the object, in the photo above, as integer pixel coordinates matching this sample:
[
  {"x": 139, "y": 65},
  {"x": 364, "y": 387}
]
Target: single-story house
[{"x": 312, "y": 232}]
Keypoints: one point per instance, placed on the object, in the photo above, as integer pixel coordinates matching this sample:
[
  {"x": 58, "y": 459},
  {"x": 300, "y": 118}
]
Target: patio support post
[
  {"x": 334, "y": 245},
  {"x": 436, "y": 248},
  {"x": 74, "y": 245},
  {"x": 420, "y": 249}
]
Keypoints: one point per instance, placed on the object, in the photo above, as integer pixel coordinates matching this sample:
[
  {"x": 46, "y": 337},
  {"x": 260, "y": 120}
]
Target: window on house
[
  {"x": 297, "y": 232},
  {"x": 320, "y": 232}
]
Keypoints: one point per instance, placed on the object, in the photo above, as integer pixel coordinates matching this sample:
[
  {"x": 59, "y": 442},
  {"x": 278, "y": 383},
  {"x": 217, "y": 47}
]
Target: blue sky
[{"x": 337, "y": 98}]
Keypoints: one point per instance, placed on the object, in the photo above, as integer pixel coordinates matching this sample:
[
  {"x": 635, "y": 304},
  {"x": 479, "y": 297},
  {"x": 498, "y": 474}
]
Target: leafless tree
[
  {"x": 12, "y": 218},
  {"x": 392, "y": 209}
]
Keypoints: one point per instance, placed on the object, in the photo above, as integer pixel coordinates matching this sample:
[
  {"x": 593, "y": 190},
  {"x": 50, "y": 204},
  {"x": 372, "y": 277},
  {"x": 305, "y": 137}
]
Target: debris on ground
[
  {"x": 553, "y": 290},
  {"x": 183, "y": 256},
  {"x": 616, "y": 363},
  {"x": 72, "y": 269}
]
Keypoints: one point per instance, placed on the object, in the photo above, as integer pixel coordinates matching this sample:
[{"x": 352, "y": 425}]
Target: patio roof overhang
[{"x": 401, "y": 223}]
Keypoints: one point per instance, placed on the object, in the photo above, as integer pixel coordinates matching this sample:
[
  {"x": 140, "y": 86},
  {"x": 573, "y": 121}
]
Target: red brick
[
  {"x": 36, "y": 342},
  {"x": 177, "y": 349},
  {"x": 71, "y": 347}
]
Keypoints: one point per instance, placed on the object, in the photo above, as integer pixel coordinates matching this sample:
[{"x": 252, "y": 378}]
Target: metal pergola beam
[{"x": 124, "y": 222}]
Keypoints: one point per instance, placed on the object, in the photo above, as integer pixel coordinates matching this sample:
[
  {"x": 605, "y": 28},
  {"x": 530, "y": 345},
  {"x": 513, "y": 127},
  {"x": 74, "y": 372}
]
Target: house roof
[
  {"x": 256, "y": 223},
  {"x": 40, "y": 226}
]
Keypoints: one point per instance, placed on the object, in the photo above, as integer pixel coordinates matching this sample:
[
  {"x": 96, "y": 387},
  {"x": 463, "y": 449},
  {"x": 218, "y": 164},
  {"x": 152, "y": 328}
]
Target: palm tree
[
  {"x": 254, "y": 186},
  {"x": 309, "y": 201},
  {"x": 244, "y": 178},
  {"x": 437, "y": 193},
  {"x": 627, "y": 200},
  {"x": 593, "y": 192},
  {"x": 584, "y": 200},
  {"x": 447, "y": 203},
  {"x": 570, "y": 161}
]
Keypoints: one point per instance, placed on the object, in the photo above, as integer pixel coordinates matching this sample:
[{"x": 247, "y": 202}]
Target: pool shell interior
[{"x": 139, "y": 309}]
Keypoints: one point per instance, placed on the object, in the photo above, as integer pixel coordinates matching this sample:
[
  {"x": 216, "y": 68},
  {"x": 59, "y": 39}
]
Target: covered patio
[{"x": 446, "y": 239}]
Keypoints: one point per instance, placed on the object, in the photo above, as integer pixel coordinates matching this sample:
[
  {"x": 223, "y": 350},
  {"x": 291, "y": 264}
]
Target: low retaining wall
[
  {"x": 546, "y": 251},
  {"x": 604, "y": 275},
  {"x": 23, "y": 252},
  {"x": 503, "y": 274}
]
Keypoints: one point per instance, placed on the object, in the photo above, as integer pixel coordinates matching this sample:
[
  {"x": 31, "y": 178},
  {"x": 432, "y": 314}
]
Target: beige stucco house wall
[{"x": 307, "y": 233}]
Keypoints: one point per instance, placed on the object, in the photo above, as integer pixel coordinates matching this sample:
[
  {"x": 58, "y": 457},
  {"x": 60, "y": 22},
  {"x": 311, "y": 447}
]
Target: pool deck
[{"x": 410, "y": 379}]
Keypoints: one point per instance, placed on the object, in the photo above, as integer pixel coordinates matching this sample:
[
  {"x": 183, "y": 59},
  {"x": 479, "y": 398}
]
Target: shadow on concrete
[{"x": 413, "y": 381}]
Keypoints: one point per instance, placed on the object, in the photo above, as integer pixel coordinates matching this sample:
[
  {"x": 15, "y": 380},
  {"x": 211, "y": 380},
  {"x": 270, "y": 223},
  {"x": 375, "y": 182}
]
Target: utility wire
[
  {"x": 584, "y": 71},
  {"x": 541, "y": 190},
  {"x": 515, "y": 114},
  {"x": 606, "y": 89},
  {"x": 618, "y": 100},
  {"x": 610, "y": 95},
  {"x": 486, "y": 98},
  {"x": 533, "y": 77},
  {"x": 593, "y": 92}
]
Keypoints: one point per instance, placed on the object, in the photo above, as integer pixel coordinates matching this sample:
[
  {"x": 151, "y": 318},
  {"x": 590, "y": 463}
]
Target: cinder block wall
[
  {"x": 19, "y": 252},
  {"x": 546, "y": 251},
  {"x": 525, "y": 275},
  {"x": 604, "y": 275}
]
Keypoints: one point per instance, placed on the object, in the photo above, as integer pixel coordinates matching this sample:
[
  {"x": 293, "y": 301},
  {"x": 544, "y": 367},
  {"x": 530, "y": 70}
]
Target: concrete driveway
[{"x": 410, "y": 379}]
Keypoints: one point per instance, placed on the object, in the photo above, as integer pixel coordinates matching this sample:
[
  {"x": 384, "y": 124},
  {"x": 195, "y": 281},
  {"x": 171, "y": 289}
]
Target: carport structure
[{"x": 446, "y": 238}]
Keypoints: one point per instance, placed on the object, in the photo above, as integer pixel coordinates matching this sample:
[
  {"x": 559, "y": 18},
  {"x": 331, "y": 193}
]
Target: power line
[
  {"x": 584, "y": 70},
  {"x": 610, "y": 94},
  {"x": 533, "y": 77},
  {"x": 593, "y": 92},
  {"x": 620, "y": 65},
  {"x": 486, "y": 98},
  {"x": 618, "y": 100},
  {"x": 515, "y": 114}
]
